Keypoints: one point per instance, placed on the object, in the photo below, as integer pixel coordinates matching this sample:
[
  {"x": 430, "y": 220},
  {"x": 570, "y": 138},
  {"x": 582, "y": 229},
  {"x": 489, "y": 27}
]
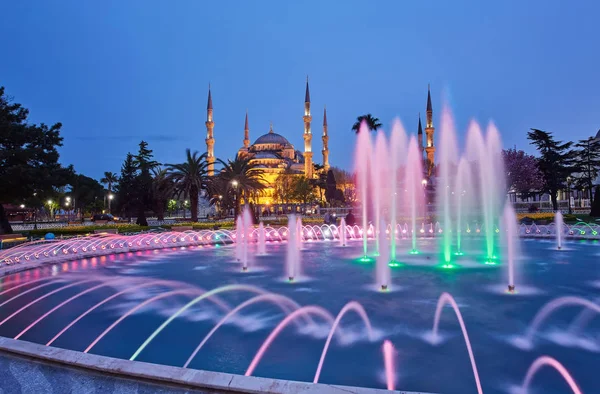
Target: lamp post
[
  {"x": 110, "y": 198},
  {"x": 569, "y": 180},
  {"x": 67, "y": 204},
  {"x": 49, "y": 202},
  {"x": 234, "y": 183}
]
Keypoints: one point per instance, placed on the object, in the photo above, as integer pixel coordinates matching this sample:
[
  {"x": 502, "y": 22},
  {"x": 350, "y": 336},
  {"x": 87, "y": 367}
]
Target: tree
[
  {"x": 595, "y": 212},
  {"x": 303, "y": 190},
  {"x": 144, "y": 163},
  {"x": 284, "y": 187},
  {"x": 587, "y": 162},
  {"x": 331, "y": 187},
  {"x": 523, "y": 175},
  {"x": 244, "y": 177},
  {"x": 87, "y": 192},
  {"x": 372, "y": 123},
  {"x": 126, "y": 189},
  {"x": 29, "y": 168},
  {"x": 555, "y": 162},
  {"x": 189, "y": 178},
  {"x": 163, "y": 190},
  {"x": 109, "y": 179}
]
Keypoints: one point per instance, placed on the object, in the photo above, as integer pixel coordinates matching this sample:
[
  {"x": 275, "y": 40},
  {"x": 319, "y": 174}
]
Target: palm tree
[
  {"x": 372, "y": 123},
  {"x": 244, "y": 177},
  {"x": 190, "y": 177},
  {"x": 163, "y": 190},
  {"x": 109, "y": 179}
]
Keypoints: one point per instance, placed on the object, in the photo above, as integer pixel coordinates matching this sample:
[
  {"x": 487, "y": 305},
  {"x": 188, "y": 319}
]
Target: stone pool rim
[{"x": 176, "y": 377}]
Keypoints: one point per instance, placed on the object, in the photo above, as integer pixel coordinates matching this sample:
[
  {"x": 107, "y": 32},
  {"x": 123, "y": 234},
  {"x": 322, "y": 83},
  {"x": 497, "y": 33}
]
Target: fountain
[
  {"x": 342, "y": 232},
  {"x": 293, "y": 247},
  {"x": 388, "y": 360},
  {"x": 363, "y": 161},
  {"x": 382, "y": 268},
  {"x": 414, "y": 188},
  {"x": 511, "y": 240},
  {"x": 559, "y": 223},
  {"x": 470, "y": 221},
  {"x": 262, "y": 247}
]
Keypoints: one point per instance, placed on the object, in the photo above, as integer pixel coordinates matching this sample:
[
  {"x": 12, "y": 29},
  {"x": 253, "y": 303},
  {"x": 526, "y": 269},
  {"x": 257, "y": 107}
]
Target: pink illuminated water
[
  {"x": 444, "y": 299},
  {"x": 548, "y": 361},
  {"x": 414, "y": 191},
  {"x": 547, "y": 310},
  {"x": 286, "y": 304},
  {"x": 511, "y": 239},
  {"x": 342, "y": 232},
  {"x": 389, "y": 354},
  {"x": 559, "y": 223},
  {"x": 304, "y": 311},
  {"x": 351, "y": 306},
  {"x": 382, "y": 268},
  {"x": 362, "y": 162},
  {"x": 262, "y": 248},
  {"x": 293, "y": 248}
]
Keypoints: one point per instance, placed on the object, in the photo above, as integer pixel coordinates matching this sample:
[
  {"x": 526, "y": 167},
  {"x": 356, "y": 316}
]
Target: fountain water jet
[
  {"x": 136, "y": 308},
  {"x": 99, "y": 304},
  {"x": 511, "y": 240},
  {"x": 550, "y": 307},
  {"x": 444, "y": 299},
  {"x": 382, "y": 269},
  {"x": 559, "y": 223},
  {"x": 351, "y": 306},
  {"x": 448, "y": 155},
  {"x": 414, "y": 187},
  {"x": 362, "y": 163},
  {"x": 207, "y": 295},
  {"x": 551, "y": 362},
  {"x": 262, "y": 249},
  {"x": 285, "y": 303},
  {"x": 342, "y": 232},
  {"x": 76, "y": 296},
  {"x": 306, "y": 310},
  {"x": 46, "y": 296},
  {"x": 293, "y": 247},
  {"x": 388, "y": 359}
]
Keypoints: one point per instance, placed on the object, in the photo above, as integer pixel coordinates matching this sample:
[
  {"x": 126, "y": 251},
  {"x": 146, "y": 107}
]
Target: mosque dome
[{"x": 271, "y": 138}]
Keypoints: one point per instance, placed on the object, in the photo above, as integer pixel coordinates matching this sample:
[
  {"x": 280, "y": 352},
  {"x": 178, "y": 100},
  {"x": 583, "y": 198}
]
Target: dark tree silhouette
[
  {"x": 371, "y": 122},
  {"x": 555, "y": 162},
  {"x": 190, "y": 178},
  {"x": 29, "y": 168}
]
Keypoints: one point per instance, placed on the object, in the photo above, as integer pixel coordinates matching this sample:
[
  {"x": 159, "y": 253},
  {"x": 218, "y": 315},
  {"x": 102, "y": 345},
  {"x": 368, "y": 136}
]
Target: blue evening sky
[{"x": 116, "y": 72}]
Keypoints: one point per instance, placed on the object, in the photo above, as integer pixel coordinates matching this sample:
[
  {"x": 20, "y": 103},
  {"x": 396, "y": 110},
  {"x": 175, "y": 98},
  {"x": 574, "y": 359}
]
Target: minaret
[
  {"x": 325, "y": 142},
  {"x": 210, "y": 141},
  {"x": 246, "y": 133},
  {"x": 308, "y": 164},
  {"x": 429, "y": 130},
  {"x": 420, "y": 137}
]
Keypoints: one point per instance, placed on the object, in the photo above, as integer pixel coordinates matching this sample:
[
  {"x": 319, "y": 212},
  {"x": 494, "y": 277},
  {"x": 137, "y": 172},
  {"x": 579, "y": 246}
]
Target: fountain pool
[{"x": 46, "y": 300}]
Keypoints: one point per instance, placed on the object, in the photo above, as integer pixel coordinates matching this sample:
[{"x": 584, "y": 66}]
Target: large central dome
[{"x": 271, "y": 138}]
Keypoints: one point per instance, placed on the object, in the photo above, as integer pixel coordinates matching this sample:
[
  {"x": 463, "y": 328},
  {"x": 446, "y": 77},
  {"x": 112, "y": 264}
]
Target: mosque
[
  {"x": 275, "y": 155},
  {"x": 272, "y": 152}
]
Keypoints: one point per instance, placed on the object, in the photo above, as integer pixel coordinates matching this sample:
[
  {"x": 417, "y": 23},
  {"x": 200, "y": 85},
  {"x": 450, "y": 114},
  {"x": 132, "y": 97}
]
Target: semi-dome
[{"x": 271, "y": 138}]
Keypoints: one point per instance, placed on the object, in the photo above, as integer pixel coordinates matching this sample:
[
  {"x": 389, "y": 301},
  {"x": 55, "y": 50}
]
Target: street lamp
[
  {"x": 569, "y": 180},
  {"x": 110, "y": 198},
  {"x": 49, "y": 202},
  {"x": 234, "y": 183},
  {"x": 22, "y": 206}
]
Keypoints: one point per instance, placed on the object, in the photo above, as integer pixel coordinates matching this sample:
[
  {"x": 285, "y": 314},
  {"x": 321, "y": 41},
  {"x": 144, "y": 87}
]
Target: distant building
[{"x": 272, "y": 152}]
